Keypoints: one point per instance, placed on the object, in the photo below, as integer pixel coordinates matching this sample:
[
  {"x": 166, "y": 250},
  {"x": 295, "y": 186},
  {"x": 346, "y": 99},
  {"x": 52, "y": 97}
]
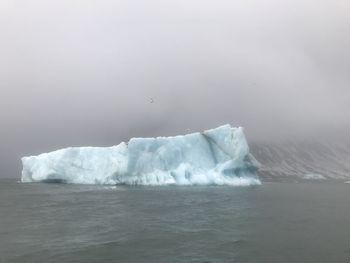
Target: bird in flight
[{"x": 151, "y": 100}]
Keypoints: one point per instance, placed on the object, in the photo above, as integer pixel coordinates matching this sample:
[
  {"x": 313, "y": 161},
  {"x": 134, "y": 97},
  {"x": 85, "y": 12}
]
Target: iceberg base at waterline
[{"x": 218, "y": 156}]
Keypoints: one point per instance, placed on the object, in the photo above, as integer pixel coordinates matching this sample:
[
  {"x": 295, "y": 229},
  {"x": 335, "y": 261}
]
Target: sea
[{"x": 282, "y": 222}]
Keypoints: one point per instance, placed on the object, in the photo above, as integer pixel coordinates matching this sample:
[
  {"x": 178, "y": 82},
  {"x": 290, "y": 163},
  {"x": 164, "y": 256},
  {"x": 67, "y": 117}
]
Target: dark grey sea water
[{"x": 275, "y": 222}]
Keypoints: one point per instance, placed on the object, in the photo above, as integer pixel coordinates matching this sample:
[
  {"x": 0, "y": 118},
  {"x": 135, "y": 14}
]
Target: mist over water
[
  {"x": 95, "y": 73},
  {"x": 83, "y": 73}
]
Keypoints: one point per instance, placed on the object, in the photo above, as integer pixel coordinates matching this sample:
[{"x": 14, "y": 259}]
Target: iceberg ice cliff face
[{"x": 219, "y": 156}]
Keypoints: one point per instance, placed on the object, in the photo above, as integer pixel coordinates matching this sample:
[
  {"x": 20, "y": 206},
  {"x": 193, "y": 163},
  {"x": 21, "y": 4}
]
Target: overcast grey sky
[{"x": 82, "y": 72}]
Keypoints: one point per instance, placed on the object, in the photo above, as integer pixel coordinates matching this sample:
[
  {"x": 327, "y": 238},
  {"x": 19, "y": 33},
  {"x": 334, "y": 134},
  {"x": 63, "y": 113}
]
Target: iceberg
[
  {"x": 314, "y": 177},
  {"x": 218, "y": 156}
]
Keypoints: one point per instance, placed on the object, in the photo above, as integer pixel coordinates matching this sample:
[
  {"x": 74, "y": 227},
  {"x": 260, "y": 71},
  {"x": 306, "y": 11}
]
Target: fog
[{"x": 81, "y": 72}]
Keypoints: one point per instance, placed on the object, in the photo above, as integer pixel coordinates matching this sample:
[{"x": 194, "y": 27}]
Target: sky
[{"x": 84, "y": 72}]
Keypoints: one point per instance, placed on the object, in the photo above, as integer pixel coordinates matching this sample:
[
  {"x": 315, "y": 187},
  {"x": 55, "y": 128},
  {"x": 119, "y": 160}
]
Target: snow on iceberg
[{"x": 214, "y": 157}]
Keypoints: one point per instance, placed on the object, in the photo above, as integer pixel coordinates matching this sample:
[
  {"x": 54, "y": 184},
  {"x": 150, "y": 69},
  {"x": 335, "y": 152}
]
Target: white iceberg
[
  {"x": 314, "y": 177},
  {"x": 214, "y": 157}
]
